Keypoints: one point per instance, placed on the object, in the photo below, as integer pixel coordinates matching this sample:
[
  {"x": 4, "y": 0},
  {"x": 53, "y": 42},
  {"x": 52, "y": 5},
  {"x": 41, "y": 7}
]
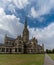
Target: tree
[
  {"x": 46, "y": 50},
  {"x": 53, "y": 51}
]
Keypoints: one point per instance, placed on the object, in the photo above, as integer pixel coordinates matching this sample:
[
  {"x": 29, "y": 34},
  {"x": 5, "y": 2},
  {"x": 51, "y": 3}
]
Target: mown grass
[
  {"x": 52, "y": 56},
  {"x": 21, "y": 59}
]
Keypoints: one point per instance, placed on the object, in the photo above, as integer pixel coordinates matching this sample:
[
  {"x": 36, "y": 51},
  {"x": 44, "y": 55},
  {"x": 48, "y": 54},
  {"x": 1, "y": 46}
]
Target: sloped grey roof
[
  {"x": 40, "y": 47},
  {"x": 9, "y": 38},
  {"x": 1, "y": 44}
]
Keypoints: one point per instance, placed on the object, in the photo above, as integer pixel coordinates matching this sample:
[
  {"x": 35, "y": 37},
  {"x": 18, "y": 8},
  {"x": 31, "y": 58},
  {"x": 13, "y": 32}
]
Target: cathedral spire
[
  {"x": 25, "y": 32},
  {"x": 25, "y": 25}
]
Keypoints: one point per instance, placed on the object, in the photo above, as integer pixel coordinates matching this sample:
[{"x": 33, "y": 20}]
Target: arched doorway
[
  {"x": 10, "y": 50},
  {"x": 25, "y": 49}
]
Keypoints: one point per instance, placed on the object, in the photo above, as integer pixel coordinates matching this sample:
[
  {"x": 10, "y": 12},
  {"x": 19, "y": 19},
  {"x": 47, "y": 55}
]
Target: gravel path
[{"x": 48, "y": 60}]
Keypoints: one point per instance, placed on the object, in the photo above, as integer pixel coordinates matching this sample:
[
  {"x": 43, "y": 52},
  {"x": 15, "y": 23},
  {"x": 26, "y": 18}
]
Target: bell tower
[{"x": 25, "y": 32}]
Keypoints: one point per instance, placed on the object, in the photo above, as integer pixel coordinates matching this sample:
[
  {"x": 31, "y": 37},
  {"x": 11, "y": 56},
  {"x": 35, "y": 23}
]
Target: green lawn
[
  {"x": 21, "y": 59},
  {"x": 52, "y": 56}
]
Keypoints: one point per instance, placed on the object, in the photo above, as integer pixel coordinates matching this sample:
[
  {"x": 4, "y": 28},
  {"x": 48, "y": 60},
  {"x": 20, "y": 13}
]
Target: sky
[{"x": 40, "y": 19}]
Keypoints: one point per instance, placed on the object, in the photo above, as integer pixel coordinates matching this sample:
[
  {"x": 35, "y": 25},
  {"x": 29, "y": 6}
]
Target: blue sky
[{"x": 40, "y": 17}]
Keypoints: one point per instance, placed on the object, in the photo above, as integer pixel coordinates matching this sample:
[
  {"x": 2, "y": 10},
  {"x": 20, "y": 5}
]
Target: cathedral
[{"x": 22, "y": 44}]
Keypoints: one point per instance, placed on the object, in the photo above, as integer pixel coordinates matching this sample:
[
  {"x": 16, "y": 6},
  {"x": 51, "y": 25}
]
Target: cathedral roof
[
  {"x": 39, "y": 47},
  {"x": 34, "y": 40},
  {"x": 9, "y": 38},
  {"x": 1, "y": 44},
  {"x": 19, "y": 37}
]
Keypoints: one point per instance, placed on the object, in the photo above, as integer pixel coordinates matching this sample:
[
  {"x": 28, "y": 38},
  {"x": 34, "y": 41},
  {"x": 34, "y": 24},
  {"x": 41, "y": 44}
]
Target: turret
[
  {"x": 43, "y": 47},
  {"x": 5, "y": 39}
]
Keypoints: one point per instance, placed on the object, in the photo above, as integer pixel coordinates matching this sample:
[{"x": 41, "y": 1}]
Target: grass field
[
  {"x": 52, "y": 56},
  {"x": 21, "y": 59}
]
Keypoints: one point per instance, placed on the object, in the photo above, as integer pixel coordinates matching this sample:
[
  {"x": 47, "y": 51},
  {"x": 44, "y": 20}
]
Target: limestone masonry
[{"x": 21, "y": 44}]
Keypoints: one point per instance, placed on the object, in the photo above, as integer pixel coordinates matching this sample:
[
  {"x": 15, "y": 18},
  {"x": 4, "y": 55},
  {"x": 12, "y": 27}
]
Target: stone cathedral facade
[{"x": 22, "y": 44}]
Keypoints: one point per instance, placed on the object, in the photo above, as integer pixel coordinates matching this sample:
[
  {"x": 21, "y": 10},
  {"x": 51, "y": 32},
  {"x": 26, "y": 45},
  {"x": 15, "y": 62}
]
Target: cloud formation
[
  {"x": 42, "y": 7},
  {"x": 20, "y": 3},
  {"x": 45, "y": 35},
  {"x": 33, "y": 8},
  {"x": 10, "y": 24}
]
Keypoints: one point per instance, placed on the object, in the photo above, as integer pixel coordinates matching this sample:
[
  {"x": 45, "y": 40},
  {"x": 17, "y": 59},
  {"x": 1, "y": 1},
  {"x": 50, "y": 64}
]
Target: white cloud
[
  {"x": 45, "y": 35},
  {"x": 10, "y": 25},
  {"x": 2, "y": 13},
  {"x": 6, "y": 0},
  {"x": 11, "y": 8},
  {"x": 5, "y": 3},
  {"x": 42, "y": 7},
  {"x": 17, "y": 3},
  {"x": 34, "y": 13},
  {"x": 38, "y": 7},
  {"x": 20, "y": 3}
]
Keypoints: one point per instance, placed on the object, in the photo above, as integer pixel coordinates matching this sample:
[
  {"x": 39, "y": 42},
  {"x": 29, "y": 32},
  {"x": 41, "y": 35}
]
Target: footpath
[{"x": 48, "y": 60}]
